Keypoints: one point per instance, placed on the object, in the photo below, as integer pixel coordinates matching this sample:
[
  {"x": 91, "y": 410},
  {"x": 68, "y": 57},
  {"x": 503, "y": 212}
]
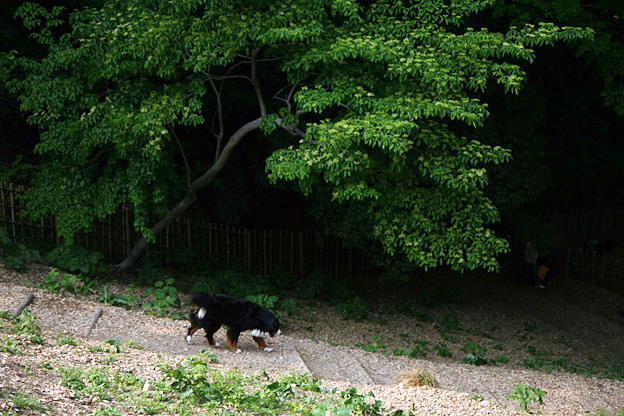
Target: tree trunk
[{"x": 191, "y": 197}]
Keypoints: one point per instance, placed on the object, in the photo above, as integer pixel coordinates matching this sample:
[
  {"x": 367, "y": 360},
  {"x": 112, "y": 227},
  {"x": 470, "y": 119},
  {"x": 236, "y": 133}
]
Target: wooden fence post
[
  {"x": 12, "y": 210},
  {"x": 127, "y": 230},
  {"x": 301, "y": 276},
  {"x": 4, "y": 215}
]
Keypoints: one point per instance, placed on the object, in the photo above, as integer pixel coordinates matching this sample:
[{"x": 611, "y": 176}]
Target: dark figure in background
[
  {"x": 542, "y": 274},
  {"x": 530, "y": 259}
]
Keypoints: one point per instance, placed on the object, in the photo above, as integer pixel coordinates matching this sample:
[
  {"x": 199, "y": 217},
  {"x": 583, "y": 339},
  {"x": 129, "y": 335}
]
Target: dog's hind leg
[
  {"x": 232, "y": 339},
  {"x": 210, "y": 329},
  {"x": 261, "y": 344}
]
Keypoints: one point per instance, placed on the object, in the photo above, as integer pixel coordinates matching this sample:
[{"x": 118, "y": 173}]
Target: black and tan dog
[{"x": 211, "y": 310}]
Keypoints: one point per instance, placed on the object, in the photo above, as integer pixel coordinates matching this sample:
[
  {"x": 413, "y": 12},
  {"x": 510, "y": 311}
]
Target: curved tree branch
[
  {"x": 190, "y": 196},
  {"x": 220, "y": 116},
  {"x": 186, "y": 164},
  {"x": 256, "y": 83}
]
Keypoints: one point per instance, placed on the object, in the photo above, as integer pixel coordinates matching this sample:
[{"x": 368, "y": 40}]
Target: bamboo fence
[
  {"x": 296, "y": 252},
  {"x": 255, "y": 251},
  {"x": 579, "y": 226},
  {"x": 606, "y": 269}
]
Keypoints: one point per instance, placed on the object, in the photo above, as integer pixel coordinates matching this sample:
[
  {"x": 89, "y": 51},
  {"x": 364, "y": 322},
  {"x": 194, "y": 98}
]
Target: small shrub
[
  {"x": 415, "y": 311},
  {"x": 442, "y": 350},
  {"x": 311, "y": 287},
  {"x": 66, "y": 340},
  {"x": 264, "y": 300},
  {"x": 530, "y": 326},
  {"x": 533, "y": 363},
  {"x": 106, "y": 411},
  {"x": 289, "y": 306},
  {"x": 234, "y": 283},
  {"x": 23, "y": 401},
  {"x": 525, "y": 395},
  {"x": 475, "y": 354},
  {"x": 372, "y": 347},
  {"x": 417, "y": 377},
  {"x": 73, "y": 378},
  {"x": 165, "y": 297},
  {"x": 109, "y": 298},
  {"x": 14, "y": 255},
  {"x": 116, "y": 344},
  {"x": 77, "y": 258},
  {"x": 25, "y": 324},
  {"x": 66, "y": 282},
  {"x": 450, "y": 323},
  {"x": 9, "y": 345},
  {"x": 355, "y": 309},
  {"x": 130, "y": 343},
  {"x": 189, "y": 379},
  {"x": 421, "y": 349},
  {"x": 150, "y": 272},
  {"x": 427, "y": 299},
  {"x": 448, "y": 294}
]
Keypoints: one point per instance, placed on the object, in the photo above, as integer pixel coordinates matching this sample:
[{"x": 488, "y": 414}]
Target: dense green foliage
[{"x": 372, "y": 92}]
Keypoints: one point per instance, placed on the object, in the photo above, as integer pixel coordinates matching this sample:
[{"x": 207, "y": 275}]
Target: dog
[{"x": 211, "y": 310}]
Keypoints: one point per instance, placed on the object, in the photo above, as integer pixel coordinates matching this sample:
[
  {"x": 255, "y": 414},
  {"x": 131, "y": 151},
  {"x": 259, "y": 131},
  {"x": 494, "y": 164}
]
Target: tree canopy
[{"x": 371, "y": 95}]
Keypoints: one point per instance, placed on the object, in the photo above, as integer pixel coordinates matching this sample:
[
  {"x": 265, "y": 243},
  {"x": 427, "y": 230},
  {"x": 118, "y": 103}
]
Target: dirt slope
[{"x": 570, "y": 319}]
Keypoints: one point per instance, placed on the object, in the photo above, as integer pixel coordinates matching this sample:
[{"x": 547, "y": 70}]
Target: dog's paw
[
  {"x": 238, "y": 351},
  {"x": 267, "y": 349},
  {"x": 217, "y": 345},
  {"x": 188, "y": 339}
]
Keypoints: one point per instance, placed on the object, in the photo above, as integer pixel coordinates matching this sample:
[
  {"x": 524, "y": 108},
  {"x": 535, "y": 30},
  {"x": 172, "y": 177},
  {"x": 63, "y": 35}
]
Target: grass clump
[{"x": 417, "y": 377}]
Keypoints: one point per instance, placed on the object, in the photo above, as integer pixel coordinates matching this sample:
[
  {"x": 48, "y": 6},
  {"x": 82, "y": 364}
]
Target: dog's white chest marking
[
  {"x": 258, "y": 333},
  {"x": 201, "y": 313}
]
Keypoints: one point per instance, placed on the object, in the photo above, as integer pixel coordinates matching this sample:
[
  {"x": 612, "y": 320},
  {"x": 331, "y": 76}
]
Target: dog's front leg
[
  {"x": 191, "y": 331},
  {"x": 261, "y": 344}
]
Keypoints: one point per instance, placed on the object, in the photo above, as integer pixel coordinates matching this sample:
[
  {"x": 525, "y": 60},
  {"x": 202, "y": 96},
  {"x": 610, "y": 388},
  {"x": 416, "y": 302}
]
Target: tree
[{"x": 371, "y": 92}]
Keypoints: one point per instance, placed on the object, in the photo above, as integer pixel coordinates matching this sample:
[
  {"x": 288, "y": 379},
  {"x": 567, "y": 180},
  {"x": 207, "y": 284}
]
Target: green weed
[
  {"x": 264, "y": 300},
  {"x": 14, "y": 256},
  {"x": 421, "y": 349},
  {"x": 442, "y": 350},
  {"x": 450, "y": 323},
  {"x": 109, "y": 298},
  {"x": 525, "y": 395},
  {"x": 290, "y": 306},
  {"x": 415, "y": 311},
  {"x": 165, "y": 297},
  {"x": 25, "y": 324},
  {"x": 66, "y": 340},
  {"x": 530, "y": 326},
  {"x": 24, "y": 401},
  {"x": 67, "y": 282},
  {"x": 372, "y": 347},
  {"x": 475, "y": 354},
  {"x": 107, "y": 411},
  {"x": 10, "y": 345},
  {"x": 354, "y": 308}
]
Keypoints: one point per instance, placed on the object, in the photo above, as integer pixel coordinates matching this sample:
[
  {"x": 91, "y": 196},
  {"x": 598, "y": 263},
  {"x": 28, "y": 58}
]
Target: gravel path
[{"x": 463, "y": 389}]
